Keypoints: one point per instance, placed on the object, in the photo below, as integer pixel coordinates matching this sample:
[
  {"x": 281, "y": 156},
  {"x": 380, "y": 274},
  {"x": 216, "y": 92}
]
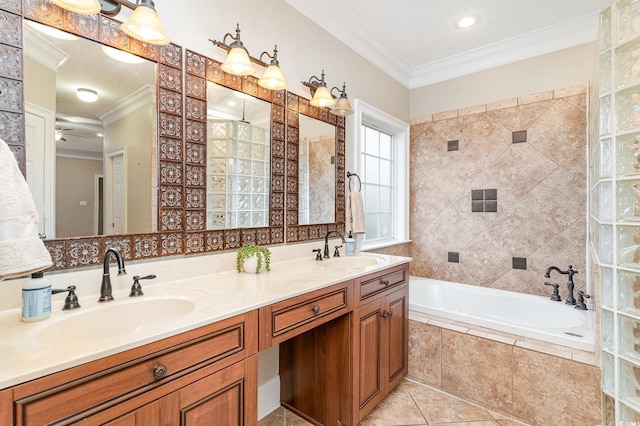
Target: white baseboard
[{"x": 268, "y": 397}]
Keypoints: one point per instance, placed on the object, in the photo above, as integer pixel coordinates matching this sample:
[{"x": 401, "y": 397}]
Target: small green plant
[{"x": 262, "y": 254}]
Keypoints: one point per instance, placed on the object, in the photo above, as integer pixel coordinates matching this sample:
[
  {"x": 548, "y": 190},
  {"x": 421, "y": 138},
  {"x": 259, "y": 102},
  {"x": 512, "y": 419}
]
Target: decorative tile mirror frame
[
  {"x": 85, "y": 251},
  {"x": 297, "y": 105},
  {"x": 181, "y": 144},
  {"x": 199, "y": 70}
]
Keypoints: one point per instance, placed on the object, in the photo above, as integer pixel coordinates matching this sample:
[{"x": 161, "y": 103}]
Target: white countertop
[{"x": 30, "y": 350}]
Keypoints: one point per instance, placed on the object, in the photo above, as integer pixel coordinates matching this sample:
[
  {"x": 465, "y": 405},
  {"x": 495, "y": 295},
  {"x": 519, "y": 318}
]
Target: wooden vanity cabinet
[
  {"x": 202, "y": 374},
  {"x": 338, "y": 371},
  {"x": 380, "y": 338}
]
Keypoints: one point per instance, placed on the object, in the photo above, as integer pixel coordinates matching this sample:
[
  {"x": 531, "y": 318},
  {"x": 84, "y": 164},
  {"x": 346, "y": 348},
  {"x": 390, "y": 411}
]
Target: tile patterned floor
[{"x": 412, "y": 404}]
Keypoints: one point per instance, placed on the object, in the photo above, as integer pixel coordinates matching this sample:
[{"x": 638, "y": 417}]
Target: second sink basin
[{"x": 112, "y": 319}]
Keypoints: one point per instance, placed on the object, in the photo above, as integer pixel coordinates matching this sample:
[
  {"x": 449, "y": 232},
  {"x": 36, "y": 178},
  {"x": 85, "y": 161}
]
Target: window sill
[{"x": 383, "y": 244}]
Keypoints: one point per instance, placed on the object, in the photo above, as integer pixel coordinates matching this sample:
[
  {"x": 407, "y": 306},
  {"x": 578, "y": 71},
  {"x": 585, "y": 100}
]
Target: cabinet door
[
  {"x": 368, "y": 341},
  {"x": 228, "y": 397},
  {"x": 396, "y": 325}
]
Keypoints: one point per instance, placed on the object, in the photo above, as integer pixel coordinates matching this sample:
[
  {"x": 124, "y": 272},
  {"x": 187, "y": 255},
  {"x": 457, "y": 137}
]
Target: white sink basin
[
  {"x": 113, "y": 319},
  {"x": 351, "y": 262}
]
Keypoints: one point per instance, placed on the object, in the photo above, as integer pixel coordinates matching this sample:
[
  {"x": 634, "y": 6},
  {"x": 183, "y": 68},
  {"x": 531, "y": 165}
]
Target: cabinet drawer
[
  {"x": 291, "y": 317},
  {"x": 371, "y": 285},
  {"x": 106, "y": 387}
]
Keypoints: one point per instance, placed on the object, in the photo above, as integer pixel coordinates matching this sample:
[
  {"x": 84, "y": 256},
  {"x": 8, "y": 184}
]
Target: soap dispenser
[
  {"x": 36, "y": 298},
  {"x": 350, "y": 245}
]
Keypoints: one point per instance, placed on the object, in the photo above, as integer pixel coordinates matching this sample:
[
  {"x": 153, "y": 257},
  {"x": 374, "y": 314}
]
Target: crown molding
[
  {"x": 550, "y": 39},
  {"x": 143, "y": 96},
  {"x": 43, "y": 51},
  {"x": 360, "y": 39},
  {"x": 363, "y": 41}
]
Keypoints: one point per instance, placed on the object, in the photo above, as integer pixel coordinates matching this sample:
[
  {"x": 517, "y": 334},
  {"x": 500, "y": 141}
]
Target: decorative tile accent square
[
  {"x": 491, "y": 206},
  {"x": 484, "y": 200},
  {"x": 477, "y": 206},
  {"x": 477, "y": 194},
  {"x": 453, "y": 257},
  {"x": 519, "y": 136},
  {"x": 519, "y": 263},
  {"x": 490, "y": 194},
  {"x": 452, "y": 145}
]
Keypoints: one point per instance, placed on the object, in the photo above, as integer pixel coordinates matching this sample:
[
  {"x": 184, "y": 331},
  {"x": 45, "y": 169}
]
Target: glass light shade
[
  {"x": 87, "y": 95},
  {"x": 144, "y": 25},
  {"x": 273, "y": 79},
  {"x": 238, "y": 62},
  {"x": 322, "y": 98},
  {"x": 84, "y": 7},
  {"x": 342, "y": 107}
]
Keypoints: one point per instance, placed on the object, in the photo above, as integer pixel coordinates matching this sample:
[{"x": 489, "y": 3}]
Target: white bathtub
[{"x": 525, "y": 315}]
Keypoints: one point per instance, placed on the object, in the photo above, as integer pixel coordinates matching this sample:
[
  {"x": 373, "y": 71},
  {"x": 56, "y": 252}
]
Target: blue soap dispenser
[
  {"x": 36, "y": 298},
  {"x": 350, "y": 245}
]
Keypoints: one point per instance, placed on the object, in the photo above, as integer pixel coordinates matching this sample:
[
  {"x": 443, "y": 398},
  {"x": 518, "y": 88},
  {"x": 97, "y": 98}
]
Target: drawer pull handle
[
  {"x": 315, "y": 309},
  {"x": 159, "y": 371},
  {"x": 386, "y": 314},
  {"x": 384, "y": 282}
]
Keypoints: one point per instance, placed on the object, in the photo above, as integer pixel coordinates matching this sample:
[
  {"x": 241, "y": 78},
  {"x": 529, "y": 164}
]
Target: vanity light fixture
[
  {"x": 84, "y": 7},
  {"x": 143, "y": 24},
  {"x": 238, "y": 61},
  {"x": 272, "y": 77},
  {"x": 321, "y": 96},
  {"x": 342, "y": 106},
  {"x": 87, "y": 95}
]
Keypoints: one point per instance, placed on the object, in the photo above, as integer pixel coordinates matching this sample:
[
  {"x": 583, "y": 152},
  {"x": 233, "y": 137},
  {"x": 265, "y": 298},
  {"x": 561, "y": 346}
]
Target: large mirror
[
  {"x": 238, "y": 159},
  {"x": 91, "y": 161},
  {"x": 317, "y": 171}
]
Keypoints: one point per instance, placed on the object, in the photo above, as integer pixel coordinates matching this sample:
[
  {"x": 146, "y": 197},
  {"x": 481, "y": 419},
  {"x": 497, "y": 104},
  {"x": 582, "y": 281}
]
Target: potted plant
[{"x": 253, "y": 259}]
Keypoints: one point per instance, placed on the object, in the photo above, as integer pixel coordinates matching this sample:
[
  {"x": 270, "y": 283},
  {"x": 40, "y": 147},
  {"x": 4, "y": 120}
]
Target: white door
[
  {"x": 40, "y": 162},
  {"x": 118, "y": 203}
]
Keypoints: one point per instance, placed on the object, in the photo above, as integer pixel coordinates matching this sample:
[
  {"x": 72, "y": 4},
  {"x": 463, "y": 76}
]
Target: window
[{"x": 381, "y": 158}]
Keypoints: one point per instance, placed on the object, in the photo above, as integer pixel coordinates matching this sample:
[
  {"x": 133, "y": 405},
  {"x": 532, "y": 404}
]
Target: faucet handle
[
  {"x": 318, "y": 253},
  {"x": 336, "y": 252},
  {"x": 580, "y": 303},
  {"x": 71, "y": 301},
  {"x": 136, "y": 288},
  {"x": 555, "y": 296}
]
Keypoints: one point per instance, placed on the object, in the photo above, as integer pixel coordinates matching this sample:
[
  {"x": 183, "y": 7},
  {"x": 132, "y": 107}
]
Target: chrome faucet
[
  {"x": 570, "y": 300},
  {"x": 326, "y": 241},
  {"x": 105, "y": 287}
]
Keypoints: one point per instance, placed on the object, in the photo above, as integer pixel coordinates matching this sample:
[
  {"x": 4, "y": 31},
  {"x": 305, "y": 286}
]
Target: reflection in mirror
[
  {"x": 91, "y": 166},
  {"x": 238, "y": 163},
  {"x": 317, "y": 191}
]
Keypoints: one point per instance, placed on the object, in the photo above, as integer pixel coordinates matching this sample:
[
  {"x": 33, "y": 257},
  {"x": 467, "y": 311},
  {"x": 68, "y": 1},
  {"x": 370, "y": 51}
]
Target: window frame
[{"x": 399, "y": 130}]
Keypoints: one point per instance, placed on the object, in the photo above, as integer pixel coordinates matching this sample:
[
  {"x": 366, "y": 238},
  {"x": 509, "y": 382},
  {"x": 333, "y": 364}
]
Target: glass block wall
[
  {"x": 238, "y": 175},
  {"x": 614, "y": 158}
]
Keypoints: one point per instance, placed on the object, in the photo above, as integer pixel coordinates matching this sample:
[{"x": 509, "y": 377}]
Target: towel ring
[{"x": 350, "y": 175}]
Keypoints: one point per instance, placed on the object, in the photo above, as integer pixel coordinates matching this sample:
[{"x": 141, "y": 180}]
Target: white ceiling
[{"x": 417, "y": 43}]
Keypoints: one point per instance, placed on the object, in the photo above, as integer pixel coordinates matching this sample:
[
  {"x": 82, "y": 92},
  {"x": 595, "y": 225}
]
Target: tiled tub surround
[
  {"x": 541, "y": 183},
  {"x": 534, "y": 381}
]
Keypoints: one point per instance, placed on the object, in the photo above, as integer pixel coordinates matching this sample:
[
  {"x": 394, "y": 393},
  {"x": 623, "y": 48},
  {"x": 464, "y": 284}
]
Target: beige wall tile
[
  {"x": 540, "y": 396},
  {"x": 570, "y": 91},
  {"x": 536, "y": 97},
  {"x": 506, "y": 103},
  {"x": 425, "y": 353},
  {"x": 477, "y": 369},
  {"x": 445, "y": 115},
  {"x": 529, "y": 218},
  {"x": 472, "y": 110}
]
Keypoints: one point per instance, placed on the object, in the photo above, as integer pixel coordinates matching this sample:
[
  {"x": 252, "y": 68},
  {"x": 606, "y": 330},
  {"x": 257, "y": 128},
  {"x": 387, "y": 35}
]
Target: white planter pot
[{"x": 250, "y": 265}]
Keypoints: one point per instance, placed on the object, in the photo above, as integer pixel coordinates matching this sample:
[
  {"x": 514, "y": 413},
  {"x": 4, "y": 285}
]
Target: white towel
[
  {"x": 22, "y": 252},
  {"x": 355, "y": 213}
]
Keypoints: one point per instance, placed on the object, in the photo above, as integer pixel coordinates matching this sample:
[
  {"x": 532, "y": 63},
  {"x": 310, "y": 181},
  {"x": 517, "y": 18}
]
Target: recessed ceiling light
[
  {"x": 467, "y": 21},
  {"x": 87, "y": 95}
]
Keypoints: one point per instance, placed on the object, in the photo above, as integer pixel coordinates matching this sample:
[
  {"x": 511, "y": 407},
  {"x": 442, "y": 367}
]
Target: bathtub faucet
[{"x": 570, "y": 300}]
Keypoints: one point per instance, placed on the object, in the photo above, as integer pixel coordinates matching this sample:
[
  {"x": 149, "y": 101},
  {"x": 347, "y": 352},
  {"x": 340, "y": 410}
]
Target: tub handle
[
  {"x": 384, "y": 283},
  {"x": 386, "y": 314}
]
